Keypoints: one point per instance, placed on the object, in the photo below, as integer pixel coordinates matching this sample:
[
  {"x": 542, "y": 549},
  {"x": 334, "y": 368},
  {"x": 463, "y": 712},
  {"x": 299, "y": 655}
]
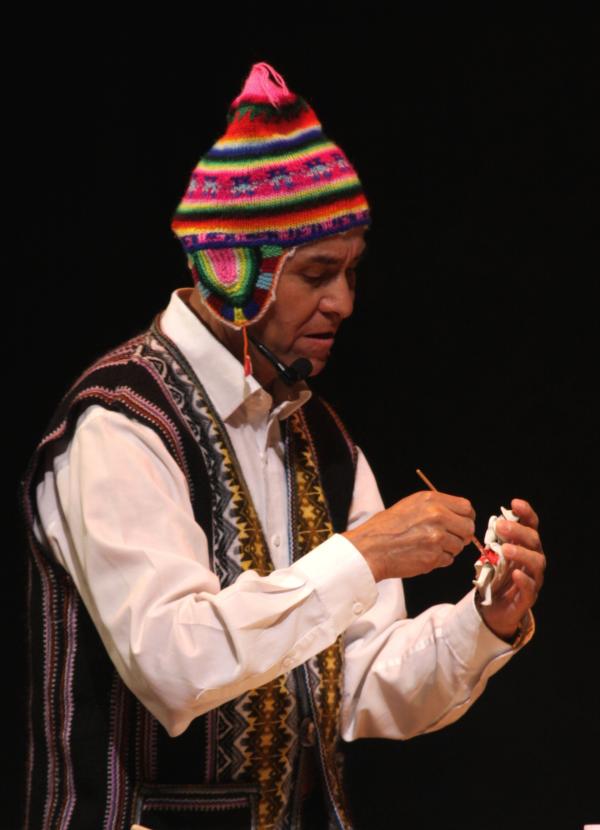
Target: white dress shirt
[{"x": 116, "y": 512}]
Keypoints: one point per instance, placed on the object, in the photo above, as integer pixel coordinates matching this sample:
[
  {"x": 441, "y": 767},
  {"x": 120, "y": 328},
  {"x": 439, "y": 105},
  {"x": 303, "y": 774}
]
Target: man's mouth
[{"x": 317, "y": 344}]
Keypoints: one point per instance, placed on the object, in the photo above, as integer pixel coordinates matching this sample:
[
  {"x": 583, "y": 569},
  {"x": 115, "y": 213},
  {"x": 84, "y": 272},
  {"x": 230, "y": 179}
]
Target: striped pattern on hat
[{"x": 274, "y": 177}]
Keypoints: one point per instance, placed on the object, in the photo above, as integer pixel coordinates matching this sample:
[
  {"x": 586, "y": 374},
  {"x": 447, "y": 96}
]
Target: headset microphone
[{"x": 298, "y": 370}]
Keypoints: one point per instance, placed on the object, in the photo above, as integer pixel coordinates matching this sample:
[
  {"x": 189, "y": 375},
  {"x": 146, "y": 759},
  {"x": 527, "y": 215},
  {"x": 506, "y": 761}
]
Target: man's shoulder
[
  {"x": 116, "y": 356},
  {"x": 120, "y": 379}
]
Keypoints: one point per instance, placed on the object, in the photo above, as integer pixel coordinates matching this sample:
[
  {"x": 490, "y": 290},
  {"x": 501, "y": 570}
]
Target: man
[{"x": 215, "y": 586}]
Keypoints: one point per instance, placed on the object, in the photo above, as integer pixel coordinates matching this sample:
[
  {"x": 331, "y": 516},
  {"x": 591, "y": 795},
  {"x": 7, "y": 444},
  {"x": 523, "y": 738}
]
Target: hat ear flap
[{"x": 237, "y": 284}]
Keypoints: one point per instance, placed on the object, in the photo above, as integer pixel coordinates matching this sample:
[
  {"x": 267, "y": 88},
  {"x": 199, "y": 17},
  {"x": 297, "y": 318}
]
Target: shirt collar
[{"x": 232, "y": 393}]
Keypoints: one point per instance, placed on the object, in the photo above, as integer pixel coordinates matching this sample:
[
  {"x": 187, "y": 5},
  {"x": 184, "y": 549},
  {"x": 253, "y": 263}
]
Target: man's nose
[{"x": 339, "y": 297}]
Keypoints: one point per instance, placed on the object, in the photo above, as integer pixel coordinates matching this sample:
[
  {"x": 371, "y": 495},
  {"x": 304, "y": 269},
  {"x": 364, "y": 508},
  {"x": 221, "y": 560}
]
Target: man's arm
[
  {"x": 117, "y": 514},
  {"x": 405, "y": 676}
]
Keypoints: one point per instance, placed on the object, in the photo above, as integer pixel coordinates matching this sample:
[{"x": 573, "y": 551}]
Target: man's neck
[{"x": 232, "y": 339}]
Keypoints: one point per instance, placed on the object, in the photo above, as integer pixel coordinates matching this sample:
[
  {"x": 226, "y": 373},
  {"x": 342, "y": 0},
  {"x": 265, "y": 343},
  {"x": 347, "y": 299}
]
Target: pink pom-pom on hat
[{"x": 264, "y": 85}]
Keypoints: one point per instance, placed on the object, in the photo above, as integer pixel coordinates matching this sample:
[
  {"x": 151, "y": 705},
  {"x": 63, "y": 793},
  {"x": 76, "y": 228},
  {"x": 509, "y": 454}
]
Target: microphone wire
[{"x": 298, "y": 370}]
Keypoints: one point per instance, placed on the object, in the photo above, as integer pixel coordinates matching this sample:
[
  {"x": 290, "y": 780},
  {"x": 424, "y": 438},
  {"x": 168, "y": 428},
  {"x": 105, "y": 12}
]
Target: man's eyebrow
[{"x": 324, "y": 259}]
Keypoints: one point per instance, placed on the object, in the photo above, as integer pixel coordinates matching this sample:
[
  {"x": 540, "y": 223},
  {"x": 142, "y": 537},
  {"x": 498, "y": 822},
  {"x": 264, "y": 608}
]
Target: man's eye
[{"x": 315, "y": 278}]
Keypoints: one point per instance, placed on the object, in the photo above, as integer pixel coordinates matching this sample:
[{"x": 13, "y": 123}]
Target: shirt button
[
  {"x": 358, "y": 608},
  {"x": 287, "y": 663},
  {"x": 276, "y": 539}
]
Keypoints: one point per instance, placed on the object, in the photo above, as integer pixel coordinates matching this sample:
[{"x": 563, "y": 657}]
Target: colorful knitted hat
[{"x": 272, "y": 182}]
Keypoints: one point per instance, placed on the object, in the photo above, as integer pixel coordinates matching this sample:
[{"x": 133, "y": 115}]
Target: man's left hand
[{"x": 523, "y": 548}]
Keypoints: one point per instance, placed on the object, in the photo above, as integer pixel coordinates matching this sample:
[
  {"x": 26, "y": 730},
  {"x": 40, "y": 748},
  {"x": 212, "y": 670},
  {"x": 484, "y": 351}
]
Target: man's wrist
[
  {"x": 514, "y": 637},
  {"x": 360, "y": 539}
]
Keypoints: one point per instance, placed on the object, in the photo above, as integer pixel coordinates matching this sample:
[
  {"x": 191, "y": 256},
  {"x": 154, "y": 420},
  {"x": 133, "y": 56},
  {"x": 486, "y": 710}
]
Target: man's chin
[{"x": 317, "y": 364}]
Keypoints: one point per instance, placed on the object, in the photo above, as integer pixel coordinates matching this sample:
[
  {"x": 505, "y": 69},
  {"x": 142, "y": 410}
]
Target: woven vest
[{"x": 98, "y": 758}]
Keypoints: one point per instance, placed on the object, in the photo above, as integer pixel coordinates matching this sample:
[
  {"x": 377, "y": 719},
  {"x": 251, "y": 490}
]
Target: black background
[{"x": 471, "y": 353}]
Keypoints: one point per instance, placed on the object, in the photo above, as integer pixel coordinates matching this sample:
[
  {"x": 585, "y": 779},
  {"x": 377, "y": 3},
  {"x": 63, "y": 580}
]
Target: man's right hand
[{"x": 417, "y": 534}]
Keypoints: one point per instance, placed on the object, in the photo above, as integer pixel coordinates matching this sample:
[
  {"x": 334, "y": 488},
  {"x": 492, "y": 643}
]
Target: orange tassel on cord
[{"x": 247, "y": 361}]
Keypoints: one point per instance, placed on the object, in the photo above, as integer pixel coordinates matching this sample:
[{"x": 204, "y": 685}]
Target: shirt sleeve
[
  {"x": 115, "y": 510},
  {"x": 404, "y": 677}
]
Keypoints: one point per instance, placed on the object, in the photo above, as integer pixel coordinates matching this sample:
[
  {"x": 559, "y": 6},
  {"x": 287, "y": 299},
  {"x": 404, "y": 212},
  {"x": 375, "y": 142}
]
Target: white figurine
[{"x": 491, "y": 567}]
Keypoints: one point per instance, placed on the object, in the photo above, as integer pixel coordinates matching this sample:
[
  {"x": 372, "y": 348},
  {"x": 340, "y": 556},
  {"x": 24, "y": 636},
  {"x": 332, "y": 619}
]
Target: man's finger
[
  {"x": 509, "y": 593},
  {"x": 459, "y": 526},
  {"x": 530, "y": 561},
  {"x": 525, "y": 512},
  {"x": 455, "y": 503},
  {"x": 519, "y": 534},
  {"x": 518, "y": 599},
  {"x": 453, "y": 544},
  {"x": 528, "y": 590}
]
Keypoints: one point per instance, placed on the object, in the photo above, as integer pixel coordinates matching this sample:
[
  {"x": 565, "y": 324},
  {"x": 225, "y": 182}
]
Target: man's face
[{"x": 315, "y": 293}]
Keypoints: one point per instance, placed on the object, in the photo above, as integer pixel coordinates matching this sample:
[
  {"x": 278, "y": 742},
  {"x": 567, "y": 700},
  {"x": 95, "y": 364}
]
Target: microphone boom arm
[{"x": 298, "y": 370}]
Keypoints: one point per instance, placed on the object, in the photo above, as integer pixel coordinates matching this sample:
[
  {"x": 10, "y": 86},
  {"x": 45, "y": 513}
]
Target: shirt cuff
[
  {"x": 472, "y": 642},
  {"x": 343, "y": 580}
]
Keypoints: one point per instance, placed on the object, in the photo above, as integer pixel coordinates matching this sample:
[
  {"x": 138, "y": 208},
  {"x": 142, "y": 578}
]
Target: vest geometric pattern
[{"x": 97, "y": 757}]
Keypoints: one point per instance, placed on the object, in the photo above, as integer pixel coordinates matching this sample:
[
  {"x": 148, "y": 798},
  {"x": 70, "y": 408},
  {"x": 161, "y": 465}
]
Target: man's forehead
[{"x": 333, "y": 247}]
